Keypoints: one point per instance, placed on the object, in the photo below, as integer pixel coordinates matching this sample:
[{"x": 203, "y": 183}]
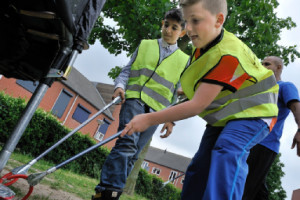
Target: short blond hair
[{"x": 213, "y": 6}]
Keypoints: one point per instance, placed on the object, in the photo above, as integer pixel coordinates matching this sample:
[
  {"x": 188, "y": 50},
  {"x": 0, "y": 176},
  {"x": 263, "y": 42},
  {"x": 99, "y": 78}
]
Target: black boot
[{"x": 108, "y": 194}]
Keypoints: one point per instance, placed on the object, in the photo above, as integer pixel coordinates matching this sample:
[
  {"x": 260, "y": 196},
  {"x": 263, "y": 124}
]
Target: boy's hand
[
  {"x": 169, "y": 127},
  {"x": 119, "y": 92},
  {"x": 296, "y": 141},
  {"x": 180, "y": 91},
  {"x": 138, "y": 124}
]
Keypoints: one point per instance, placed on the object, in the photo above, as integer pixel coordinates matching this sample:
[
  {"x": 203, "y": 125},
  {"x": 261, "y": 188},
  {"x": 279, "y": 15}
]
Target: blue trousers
[
  {"x": 219, "y": 169},
  {"x": 122, "y": 157}
]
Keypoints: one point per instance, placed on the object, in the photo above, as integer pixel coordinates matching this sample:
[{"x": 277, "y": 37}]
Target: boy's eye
[
  {"x": 195, "y": 21},
  {"x": 174, "y": 28},
  {"x": 266, "y": 64}
]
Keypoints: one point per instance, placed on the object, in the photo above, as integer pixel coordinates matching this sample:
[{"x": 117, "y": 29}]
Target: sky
[{"x": 96, "y": 62}]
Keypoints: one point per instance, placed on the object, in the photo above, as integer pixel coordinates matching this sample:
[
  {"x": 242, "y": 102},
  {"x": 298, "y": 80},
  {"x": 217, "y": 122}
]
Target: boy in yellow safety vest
[
  {"x": 150, "y": 80},
  {"x": 230, "y": 89}
]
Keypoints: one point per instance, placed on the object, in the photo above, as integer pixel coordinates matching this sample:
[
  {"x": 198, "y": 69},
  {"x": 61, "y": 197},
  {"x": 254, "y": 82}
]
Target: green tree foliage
[
  {"x": 255, "y": 22},
  {"x": 134, "y": 20},
  {"x": 114, "y": 72},
  {"x": 274, "y": 180}
]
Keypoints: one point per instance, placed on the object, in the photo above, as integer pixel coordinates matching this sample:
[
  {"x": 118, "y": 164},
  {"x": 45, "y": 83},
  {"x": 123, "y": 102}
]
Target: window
[
  {"x": 172, "y": 176},
  {"x": 81, "y": 113},
  {"x": 61, "y": 103},
  {"x": 28, "y": 85},
  {"x": 145, "y": 165},
  {"x": 182, "y": 180},
  {"x": 155, "y": 171},
  {"x": 103, "y": 125}
]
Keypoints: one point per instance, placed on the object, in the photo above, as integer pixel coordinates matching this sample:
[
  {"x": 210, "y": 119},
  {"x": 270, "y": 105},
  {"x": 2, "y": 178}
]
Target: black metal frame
[{"x": 41, "y": 40}]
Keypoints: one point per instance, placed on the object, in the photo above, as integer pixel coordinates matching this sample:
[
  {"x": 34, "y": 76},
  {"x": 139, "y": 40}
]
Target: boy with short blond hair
[{"x": 230, "y": 89}]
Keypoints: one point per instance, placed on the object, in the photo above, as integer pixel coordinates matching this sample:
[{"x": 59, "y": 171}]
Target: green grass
[{"x": 78, "y": 185}]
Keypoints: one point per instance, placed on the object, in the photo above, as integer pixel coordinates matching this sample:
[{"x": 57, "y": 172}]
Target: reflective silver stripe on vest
[
  {"x": 240, "y": 105},
  {"x": 155, "y": 76},
  {"x": 161, "y": 99},
  {"x": 259, "y": 87}
]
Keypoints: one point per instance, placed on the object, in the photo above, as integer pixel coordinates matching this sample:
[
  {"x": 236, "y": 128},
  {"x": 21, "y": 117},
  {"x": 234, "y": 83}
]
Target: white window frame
[
  {"x": 182, "y": 180},
  {"x": 145, "y": 164},
  {"x": 173, "y": 174},
  {"x": 156, "y": 171},
  {"x": 99, "y": 136}
]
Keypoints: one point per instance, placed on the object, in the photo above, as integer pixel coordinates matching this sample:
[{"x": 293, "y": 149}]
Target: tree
[
  {"x": 255, "y": 22},
  {"x": 276, "y": 192},
  {"x": 134, "y": 20},
  {"x": 131, "y": 180}
]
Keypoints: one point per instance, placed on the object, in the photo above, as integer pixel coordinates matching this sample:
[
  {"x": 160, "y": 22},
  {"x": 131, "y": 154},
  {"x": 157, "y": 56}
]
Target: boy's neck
[
  {"x": 165, "y": 44},
  {"x": 213, "y": 43}
]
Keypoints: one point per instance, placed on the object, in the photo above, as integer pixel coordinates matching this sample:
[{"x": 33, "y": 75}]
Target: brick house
[
  {"x": 166, "y": 165},
  {"x": 106, "y": 91},
  {"x": 72, "y": 101}
]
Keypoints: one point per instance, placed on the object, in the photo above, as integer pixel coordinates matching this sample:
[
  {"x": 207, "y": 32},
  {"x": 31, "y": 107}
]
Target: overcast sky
[{"x": 96, "y": 62}]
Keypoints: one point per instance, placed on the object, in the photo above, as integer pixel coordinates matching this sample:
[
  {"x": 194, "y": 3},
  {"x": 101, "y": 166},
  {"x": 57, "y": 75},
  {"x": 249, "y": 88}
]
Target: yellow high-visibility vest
[
  {"x": 256, "y": 98},
  {"x": 152, "y": 82}
]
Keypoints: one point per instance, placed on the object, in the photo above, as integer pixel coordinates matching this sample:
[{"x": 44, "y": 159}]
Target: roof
[
  {"x": 106, "y": 91},
  {"x": 86, "y": 90},
  {"x": 167, "y": 159}
]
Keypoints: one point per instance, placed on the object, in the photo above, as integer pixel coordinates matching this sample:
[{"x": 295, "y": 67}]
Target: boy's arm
[
  {"x": 203, "y": 97},
  {"x": 295, "y": 108},
  {"x": 122, "y": 80}
]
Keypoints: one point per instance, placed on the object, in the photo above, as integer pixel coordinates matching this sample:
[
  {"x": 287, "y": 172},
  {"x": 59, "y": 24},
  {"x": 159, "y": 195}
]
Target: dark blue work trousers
[{"x": 219, "y": 169}]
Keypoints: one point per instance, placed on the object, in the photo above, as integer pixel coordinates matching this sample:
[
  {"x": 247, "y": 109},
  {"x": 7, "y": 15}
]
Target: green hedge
[
  {"x": 44, "y": 130},
  {"x": 151, "y": 187}
]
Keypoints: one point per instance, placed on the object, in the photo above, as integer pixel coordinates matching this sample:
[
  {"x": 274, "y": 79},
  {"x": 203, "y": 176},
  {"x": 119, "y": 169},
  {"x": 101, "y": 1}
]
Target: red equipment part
[
  {"x": 14, "y": 178},
  {"x": 4, "y": 178}
]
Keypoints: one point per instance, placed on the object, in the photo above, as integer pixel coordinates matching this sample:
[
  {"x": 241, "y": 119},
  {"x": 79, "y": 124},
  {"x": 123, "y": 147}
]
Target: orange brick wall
[
  {"x": 92, "y": 126},
  {"x": 9, "y": 86}
]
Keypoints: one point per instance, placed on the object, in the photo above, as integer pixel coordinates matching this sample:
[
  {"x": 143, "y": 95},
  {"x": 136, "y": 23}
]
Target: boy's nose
[
  {"x": 168, "y": 30},
  {"x": 187, "y": 26}
]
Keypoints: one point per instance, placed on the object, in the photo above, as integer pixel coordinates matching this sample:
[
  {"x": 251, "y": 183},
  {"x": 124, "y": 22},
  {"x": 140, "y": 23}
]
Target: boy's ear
[
  {"x": 162, "y": 22},
  {"x": 183, "y": 32},
  {"x": 220, "y": 20}
]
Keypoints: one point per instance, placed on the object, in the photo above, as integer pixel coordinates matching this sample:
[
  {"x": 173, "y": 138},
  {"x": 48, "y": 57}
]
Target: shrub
[
  {"x": 151, "y": 187},
  {"x": 43, "y": 131}
]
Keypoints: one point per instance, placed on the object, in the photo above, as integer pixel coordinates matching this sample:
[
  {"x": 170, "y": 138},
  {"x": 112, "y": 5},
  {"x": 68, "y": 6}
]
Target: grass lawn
[{"x": 61, "y": 183}]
